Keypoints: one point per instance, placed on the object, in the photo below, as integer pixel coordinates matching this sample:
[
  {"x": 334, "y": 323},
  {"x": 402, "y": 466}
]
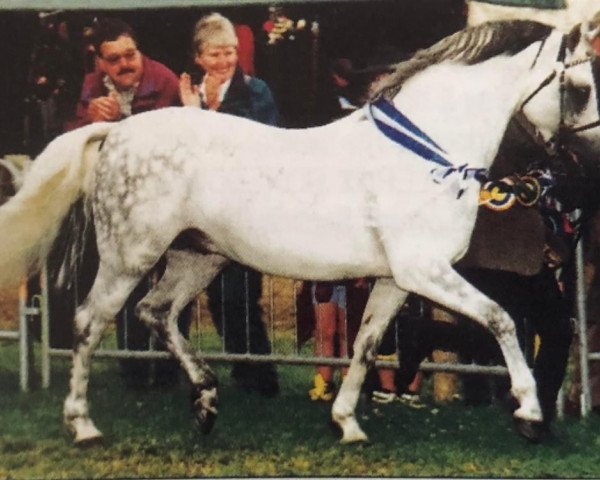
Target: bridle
[{"x": 554, "y": 143}]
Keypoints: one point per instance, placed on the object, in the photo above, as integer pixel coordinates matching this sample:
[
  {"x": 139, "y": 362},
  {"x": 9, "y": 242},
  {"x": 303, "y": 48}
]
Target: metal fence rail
[
  {"x": 9, "y": 335},
  {"x": 220, "y": 355},
  {"x": 27, "y": 312},
  {"x": 426, "y": 366}
]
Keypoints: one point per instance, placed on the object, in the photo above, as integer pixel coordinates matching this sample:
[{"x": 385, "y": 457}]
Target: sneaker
[
  {"x": 411, "y": 400},
  {"x": 383, "y": 396},
  {"x": 322, "y": 390}
]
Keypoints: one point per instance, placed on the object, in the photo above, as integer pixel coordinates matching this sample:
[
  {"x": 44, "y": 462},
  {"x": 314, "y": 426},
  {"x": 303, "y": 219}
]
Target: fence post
[
  {"x": 45, "y": 329},
  {"x": 445, "y": 384},
  {"x": 24, "y": 366},
  {"x": 585, "y": 400}
]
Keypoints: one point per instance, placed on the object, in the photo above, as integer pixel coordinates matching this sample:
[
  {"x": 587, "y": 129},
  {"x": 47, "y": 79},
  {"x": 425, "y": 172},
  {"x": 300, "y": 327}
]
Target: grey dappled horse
[{"x": 389, "y": 192}]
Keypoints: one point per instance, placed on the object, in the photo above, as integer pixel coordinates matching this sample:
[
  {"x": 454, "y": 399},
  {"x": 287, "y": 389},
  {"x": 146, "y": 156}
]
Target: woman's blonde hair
[{"x": 214, "y": 29}]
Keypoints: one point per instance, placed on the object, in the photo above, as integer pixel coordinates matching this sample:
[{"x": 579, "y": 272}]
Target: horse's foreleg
[
  {"x": 106, "y": 297},
  {"x": 186, "y": 275},
  {"x": 446, "y": 287},
  {"x": 385, "y": 300}
]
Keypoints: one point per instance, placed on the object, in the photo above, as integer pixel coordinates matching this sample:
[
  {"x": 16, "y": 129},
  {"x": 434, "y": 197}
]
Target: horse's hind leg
[
  {"x": 384, "y": 302},
  {"x": 108, "y": 294},
  {"x": 446, "y": 287},
  {"x": 186, "y": 275}
]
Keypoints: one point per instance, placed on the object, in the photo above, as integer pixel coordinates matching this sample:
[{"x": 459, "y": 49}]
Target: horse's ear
[
  {"x": 574, "y": 37},
  {"x": 588, "y": 31},
  {"x": 593, "y": 27},
  {"x": 579, "y": 39}
]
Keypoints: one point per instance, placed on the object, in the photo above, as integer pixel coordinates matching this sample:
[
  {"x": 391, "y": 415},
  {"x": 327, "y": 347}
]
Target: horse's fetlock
[
  {"x": 74, "y": 408},
  {"x": 340, "y": 416},
  {"x": 341, "y": 410},
  {"x": 208, "y": 379},
  {"x": 204, "y": 398},
  {"x": 81, "y": 335},
  {"x": 204, "y": 405},
  {"x": 208, "y": 382}
]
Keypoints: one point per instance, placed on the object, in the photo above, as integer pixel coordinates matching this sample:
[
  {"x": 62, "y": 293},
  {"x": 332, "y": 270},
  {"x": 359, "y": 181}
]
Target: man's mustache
[{"x": 125, "y": 71}]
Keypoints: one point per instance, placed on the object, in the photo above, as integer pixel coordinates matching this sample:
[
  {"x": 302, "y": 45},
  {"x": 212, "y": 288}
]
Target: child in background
[{"x": 338, "y": 308}]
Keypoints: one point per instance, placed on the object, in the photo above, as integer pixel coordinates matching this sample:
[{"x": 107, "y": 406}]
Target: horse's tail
[{"x": 30, "y": 220}]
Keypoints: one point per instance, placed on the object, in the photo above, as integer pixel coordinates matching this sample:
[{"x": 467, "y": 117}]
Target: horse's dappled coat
[{"x": 339, "y": 201}]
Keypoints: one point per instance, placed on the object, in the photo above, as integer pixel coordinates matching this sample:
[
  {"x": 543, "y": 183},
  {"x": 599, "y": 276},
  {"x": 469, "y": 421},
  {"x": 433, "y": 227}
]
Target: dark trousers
[
  {"x": 233, "y": 300},
  {"x": 232, "y": 296}
]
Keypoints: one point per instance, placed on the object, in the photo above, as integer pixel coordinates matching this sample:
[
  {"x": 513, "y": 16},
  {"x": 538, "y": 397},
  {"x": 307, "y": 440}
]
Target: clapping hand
[
  {"x": 102, "y": 109},
  {"x": 212, "y": 84},
  {"x": 188, "y": 94}
]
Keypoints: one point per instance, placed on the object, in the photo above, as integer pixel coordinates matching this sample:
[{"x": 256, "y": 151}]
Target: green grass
[{"x": 150, "y": 433}]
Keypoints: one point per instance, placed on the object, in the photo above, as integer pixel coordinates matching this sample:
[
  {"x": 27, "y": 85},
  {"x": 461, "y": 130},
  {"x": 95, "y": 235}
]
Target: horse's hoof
[
  {"x": 88, "y": 437},
  {"x": 85, "y": 431},
  {"x": 204, "y": 405},
  {"x": 205, "y": 421},
  {"x": 531, "y": 431},
  {"x": 357, "y": 437},
  {"x": 89, "y": 441},
  {"x": 351, "y": 431}
]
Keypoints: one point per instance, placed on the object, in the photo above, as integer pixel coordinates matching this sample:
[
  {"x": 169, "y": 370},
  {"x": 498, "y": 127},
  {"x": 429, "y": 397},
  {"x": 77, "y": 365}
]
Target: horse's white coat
[
  {"x": 334, "y": 202},
  {"x": 374, "y": 187}
]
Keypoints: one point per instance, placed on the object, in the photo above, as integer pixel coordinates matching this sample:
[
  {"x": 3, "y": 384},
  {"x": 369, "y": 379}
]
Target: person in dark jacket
[{"x": 218, "y": 83}]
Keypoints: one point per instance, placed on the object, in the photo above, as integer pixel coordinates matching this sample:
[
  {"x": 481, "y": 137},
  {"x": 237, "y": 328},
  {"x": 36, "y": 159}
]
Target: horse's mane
[{"x": 469, "y": 46}]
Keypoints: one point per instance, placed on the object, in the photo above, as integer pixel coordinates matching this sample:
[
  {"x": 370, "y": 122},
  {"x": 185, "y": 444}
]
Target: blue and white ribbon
[
  {"x": 398, "y": 128},
  {"x": 457, "y": 179}
]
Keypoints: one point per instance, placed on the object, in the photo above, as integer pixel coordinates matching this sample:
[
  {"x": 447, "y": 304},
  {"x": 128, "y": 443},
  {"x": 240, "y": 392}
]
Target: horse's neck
[{"x": 466, "y": 109}]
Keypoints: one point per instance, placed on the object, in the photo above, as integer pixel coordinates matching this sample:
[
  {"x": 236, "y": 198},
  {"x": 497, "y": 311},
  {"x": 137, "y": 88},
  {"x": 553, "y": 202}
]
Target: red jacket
[{"x": 159, "y": 87}]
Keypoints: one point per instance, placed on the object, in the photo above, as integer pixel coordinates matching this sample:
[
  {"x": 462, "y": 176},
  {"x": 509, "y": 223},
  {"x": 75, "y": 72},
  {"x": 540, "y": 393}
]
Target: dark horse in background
[{"x": 513, "y": 258}]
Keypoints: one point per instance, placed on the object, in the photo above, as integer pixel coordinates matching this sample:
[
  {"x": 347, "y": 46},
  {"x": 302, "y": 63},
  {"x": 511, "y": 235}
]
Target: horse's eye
[{"x": 580, "y": 95}]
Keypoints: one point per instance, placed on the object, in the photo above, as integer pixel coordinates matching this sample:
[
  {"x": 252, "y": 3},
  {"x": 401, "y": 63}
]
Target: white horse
[{"x": 339, "y": 201}]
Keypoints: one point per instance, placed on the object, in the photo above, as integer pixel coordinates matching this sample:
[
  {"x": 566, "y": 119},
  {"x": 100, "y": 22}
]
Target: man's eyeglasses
[{"x": 115, "y": 58}]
